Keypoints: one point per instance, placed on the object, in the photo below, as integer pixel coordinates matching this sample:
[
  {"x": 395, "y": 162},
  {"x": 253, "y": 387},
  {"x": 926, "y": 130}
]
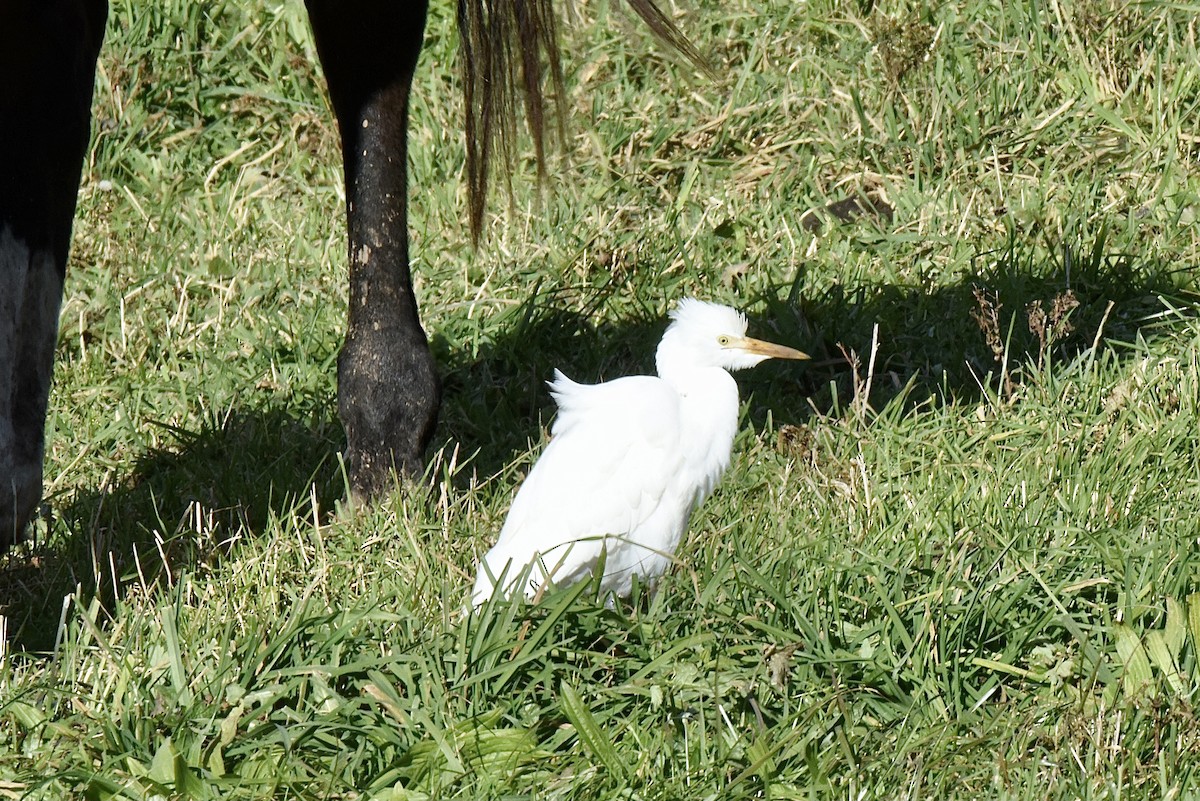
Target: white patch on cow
[{"x": 30, "y": 296}]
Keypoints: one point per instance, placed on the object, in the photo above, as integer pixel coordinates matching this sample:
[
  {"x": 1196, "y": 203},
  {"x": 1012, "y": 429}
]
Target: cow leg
[
  {"x": 388, "y": 388},
  {"x": 48, "y": 55}
]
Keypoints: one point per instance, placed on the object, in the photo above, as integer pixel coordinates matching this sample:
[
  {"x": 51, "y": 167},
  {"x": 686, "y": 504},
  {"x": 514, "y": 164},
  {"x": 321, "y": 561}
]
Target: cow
[{"x": 388, "y": 385}]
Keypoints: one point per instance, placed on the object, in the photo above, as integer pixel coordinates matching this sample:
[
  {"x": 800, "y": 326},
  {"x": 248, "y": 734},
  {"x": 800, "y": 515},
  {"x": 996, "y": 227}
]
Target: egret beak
[{"x": 768, "y": 350}]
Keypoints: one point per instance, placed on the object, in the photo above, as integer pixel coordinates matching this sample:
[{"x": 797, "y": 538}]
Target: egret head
[{"x": 711, "y": 335}]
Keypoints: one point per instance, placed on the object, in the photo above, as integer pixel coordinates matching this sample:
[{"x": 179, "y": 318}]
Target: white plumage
[{"x": 628, "y": 461}]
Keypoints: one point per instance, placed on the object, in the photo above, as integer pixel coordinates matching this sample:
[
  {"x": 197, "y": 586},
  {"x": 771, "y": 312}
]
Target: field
[{"x": 956, "y": 555}]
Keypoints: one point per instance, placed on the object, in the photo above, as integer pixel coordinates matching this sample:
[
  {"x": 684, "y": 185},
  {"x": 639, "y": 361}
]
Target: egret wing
[{"x": 614, "y": 451}]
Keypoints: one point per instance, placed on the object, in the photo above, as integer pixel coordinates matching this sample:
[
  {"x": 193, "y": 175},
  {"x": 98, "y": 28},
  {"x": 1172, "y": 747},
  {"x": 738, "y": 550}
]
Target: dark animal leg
[
  {"x": 388, "y": 388},
  {"x": 48, "y": 55}
]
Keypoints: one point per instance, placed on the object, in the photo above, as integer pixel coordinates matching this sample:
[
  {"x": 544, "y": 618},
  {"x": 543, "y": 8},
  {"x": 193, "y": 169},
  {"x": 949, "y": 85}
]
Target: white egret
[{"x": 628, "y": 461}]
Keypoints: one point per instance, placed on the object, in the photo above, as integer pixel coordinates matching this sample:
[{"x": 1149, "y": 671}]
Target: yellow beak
[{"x": 768, "y": 349}]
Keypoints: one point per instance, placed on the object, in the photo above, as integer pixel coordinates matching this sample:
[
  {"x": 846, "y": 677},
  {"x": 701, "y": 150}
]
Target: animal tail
[{"x": 504, "y": 45}]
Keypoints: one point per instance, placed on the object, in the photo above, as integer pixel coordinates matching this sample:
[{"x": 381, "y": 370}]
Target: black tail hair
[{"x": 505, "y": 44}]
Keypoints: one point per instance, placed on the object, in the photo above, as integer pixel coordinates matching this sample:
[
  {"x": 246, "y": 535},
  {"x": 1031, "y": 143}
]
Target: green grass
[{"x": 955, "y": 557}]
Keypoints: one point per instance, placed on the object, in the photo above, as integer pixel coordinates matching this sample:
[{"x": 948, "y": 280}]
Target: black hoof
[{"x": 388, "y": 398}]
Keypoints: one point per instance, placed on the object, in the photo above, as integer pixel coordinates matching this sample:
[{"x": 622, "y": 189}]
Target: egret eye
[{"x": 723, "y": 341}]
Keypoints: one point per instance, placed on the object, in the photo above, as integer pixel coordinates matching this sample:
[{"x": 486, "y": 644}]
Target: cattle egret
[{"x": 628, "y": 461}]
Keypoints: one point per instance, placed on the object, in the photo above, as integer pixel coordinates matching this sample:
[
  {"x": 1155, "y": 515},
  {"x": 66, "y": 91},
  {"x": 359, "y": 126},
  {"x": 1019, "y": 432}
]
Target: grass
[{"x": 956, "y": 557}]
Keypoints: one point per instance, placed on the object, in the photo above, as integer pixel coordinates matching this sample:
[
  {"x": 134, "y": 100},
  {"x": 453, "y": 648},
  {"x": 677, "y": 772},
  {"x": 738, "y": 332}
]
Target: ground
[{"x": 955, "y": 557}]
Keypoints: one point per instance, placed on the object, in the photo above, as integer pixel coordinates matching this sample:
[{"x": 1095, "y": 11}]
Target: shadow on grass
[
  {"x": 495, "y": 400},
  {"x": 989, "y": 328},
  {"x": 934, "y": 342},
  {"x": 178, "y": 508},
  {"x": 181, "y": 507}
]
